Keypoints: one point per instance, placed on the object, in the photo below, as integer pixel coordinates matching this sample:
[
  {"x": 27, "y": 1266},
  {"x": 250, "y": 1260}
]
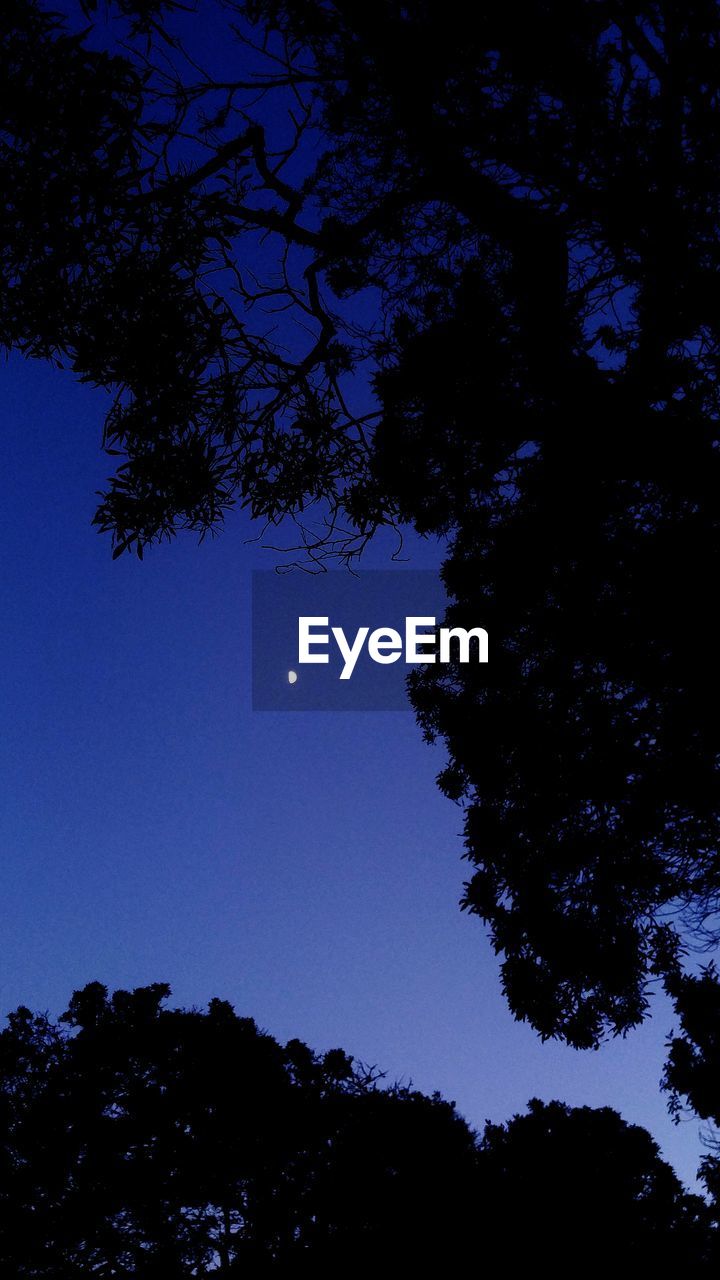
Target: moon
[{"x": 292, "y": 677}]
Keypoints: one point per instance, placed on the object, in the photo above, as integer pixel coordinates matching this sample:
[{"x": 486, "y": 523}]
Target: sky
[{"x": 155, "y": 828}]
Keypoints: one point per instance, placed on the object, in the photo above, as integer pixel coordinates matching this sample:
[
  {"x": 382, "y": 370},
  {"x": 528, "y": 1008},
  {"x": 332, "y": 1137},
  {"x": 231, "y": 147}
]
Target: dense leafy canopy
[
  {"x": 693, "y": 1065},
  {"x": 139, "y": 1140},
  {"x": 145, "y": 1141},
  {"x": 574, "y": 1179},
  {"x": 507, "y": 218}
]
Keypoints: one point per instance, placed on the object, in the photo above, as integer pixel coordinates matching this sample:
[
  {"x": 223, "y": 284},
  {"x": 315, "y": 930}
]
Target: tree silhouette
[
  {"x": 694, "y": 1059},
  {"x": 153, "y": 1142},
  {"x": 508, "y": 221},
  {"x": 579, "y": 1179},
  {"x": 693, "y": 1065},
  {"x": 141, "y": 1140}
]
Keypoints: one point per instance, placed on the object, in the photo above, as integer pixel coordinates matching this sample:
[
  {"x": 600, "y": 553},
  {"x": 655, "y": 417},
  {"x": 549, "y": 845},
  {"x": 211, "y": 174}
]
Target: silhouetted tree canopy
[
  {"x": 138, "y": 1140},
  {"x": 693, "y": 1066},
  {"x": 505, "y": 220},
  {"x": 145, "y": 1141},
  {"x": 692, "y": 1071},
  {"x": 583, "y": 1187}
]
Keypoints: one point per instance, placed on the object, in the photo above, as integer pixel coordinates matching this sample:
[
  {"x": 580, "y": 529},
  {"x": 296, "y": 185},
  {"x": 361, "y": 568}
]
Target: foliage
[
  {"x": 508, "y": 219},
  {"x": 145, "y": 1141}
]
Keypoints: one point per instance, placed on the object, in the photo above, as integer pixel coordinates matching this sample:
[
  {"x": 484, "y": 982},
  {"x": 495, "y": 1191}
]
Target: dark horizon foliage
[{"x": 148, "y": 1141}]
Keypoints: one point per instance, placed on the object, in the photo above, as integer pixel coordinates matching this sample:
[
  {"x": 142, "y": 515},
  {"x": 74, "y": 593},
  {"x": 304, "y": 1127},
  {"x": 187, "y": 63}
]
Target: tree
[
  {"x": 139, "y": 1140},
  {"x": 146, "y": 1141},
  {"x": 529, "y": 197},
  {"x": 590, "y": 1191},
  {"x": 694, "y": 1058},
  {"x": 693, "y": 1064}
]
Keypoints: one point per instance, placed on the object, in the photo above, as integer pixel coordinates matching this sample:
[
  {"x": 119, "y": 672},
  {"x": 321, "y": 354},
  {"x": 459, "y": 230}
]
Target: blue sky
[{"x": 154, "y": 828}]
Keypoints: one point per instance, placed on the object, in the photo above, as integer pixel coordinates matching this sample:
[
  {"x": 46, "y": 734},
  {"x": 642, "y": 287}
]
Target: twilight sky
[{"x": 153, "y": 828}]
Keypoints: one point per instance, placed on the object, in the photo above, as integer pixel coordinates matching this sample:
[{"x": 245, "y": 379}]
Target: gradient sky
[{"x": 303, "y": 866}]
